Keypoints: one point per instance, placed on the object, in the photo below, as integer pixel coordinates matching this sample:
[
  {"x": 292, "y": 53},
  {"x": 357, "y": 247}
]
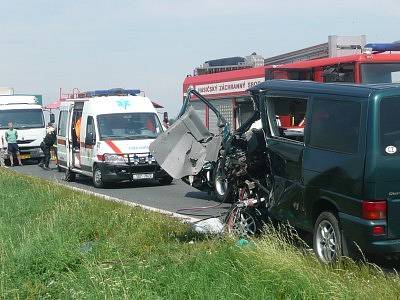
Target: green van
[
  {"x": 336, "y": 162},
  {"x": 329, "y": 155}
]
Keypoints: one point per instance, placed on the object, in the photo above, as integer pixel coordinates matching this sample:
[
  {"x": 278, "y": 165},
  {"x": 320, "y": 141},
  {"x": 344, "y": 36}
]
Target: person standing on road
[
  {"x": 12, "y": 146},
  {"x": 46, "y": 145},
  {"x": 2, "y": 153}
]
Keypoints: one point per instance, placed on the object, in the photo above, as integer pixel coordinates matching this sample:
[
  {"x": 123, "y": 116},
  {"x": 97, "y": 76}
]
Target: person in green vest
[{"x": 12, "y": 146}]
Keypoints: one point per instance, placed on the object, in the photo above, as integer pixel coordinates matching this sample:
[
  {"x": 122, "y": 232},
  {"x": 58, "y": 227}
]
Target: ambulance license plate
[
  {"x": 25, "y": 156},
  {"x": 142, "y": 176}
]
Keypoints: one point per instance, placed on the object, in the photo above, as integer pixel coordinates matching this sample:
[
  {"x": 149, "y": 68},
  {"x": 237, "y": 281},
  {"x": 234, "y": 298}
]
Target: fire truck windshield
[{"x": 380, "y": 73}]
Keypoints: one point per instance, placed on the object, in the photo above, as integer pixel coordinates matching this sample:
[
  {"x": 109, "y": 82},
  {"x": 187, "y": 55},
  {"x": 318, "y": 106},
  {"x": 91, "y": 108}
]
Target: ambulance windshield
[{"x": 129, "y": 126}]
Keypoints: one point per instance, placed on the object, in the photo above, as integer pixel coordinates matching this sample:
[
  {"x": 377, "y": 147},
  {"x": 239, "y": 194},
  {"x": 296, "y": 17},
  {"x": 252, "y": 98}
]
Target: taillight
[
  {"x": 374, "y": 210},
  {"x": 100, "y": 157}
]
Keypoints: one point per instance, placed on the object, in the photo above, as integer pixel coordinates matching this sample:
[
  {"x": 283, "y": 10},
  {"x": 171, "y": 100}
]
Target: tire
[
  {"x": 70, "y": 176},
  {"x": 59, "y": 169},
  {"x": 328, "y": 238},
  {"x": 222, "y": 188},
  {"x": 98, "y": 178},
  {"x": 166, "y": 180},
  {"x": 245, "y": 222}
]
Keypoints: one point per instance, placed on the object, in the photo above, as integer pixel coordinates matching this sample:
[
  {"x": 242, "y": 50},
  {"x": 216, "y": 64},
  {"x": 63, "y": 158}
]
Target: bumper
[
  {"x": 30, "y": 152},
  {"x": 360, "y": 231},
  {"x": 114, "y": 173}
]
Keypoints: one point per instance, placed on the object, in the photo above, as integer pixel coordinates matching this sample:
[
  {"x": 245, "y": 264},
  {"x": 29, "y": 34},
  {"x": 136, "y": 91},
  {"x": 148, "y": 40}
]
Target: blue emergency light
[
  {"x": 383, "y": 47},
  {"x": 112, "y": 92}
]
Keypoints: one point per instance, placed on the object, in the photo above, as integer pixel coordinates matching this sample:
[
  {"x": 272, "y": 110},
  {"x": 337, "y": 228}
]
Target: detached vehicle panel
[{"x": 326, "y": 160}]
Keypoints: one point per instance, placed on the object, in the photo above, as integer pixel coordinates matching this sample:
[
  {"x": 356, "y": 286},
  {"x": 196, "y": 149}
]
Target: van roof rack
[{"x": 110, "y": 92}]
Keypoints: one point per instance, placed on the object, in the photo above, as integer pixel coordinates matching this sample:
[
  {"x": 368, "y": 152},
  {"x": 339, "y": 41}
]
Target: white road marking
[{"x": 183, "y": 218}]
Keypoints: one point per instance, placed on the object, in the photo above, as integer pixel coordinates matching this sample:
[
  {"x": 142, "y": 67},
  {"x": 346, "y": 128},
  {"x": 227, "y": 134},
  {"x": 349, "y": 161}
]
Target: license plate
[
  {"x": 25, "y": 156},
  {"x": 142, "y": 176}
]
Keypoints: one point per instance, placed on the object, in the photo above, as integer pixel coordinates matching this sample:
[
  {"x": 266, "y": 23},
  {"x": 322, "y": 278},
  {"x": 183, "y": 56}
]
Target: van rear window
[{"x": 390, "y": 125}]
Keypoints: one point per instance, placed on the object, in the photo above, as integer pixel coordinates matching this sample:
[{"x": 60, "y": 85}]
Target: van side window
[
  {"x": 90, "y": 127},
  {"x": 286, "y": 116},
  {"x": 335, "y": 125},
  {"x": 62, "y": 123}
]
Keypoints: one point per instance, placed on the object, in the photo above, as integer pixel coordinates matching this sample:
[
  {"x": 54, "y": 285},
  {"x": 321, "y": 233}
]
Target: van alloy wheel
[
  {"x": 326, "y": 241},
  {"x": 241, "y": 223}
]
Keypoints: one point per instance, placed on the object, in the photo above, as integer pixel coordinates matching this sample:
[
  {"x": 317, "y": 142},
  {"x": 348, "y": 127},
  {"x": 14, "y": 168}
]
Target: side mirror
[
  {"x": 90, "y": 140},
  {"x": 52, "y": 118},
  {"x": 165, "y": 117}
]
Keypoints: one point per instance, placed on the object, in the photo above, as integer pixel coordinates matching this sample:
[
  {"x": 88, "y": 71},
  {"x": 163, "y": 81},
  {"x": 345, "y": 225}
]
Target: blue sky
[{"x": 152, "y": 45}]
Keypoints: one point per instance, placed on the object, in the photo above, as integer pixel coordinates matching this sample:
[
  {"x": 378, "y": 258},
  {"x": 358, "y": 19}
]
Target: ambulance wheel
[
  {"x": 69, "y": 175},
  {"x": 166, "y": 180},
  {"x": 98, "y": 178}
]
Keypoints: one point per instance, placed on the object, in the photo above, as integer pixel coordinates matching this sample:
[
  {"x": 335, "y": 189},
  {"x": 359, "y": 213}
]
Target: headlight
[{"x": 114, "y": 159}]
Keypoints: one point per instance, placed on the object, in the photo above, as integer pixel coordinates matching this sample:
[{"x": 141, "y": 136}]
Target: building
[{"x": 336, "y": 46}]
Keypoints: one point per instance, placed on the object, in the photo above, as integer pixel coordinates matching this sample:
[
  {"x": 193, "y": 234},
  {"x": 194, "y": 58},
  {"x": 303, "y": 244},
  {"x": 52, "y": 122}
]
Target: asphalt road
[{"x": 171, "y": 197}]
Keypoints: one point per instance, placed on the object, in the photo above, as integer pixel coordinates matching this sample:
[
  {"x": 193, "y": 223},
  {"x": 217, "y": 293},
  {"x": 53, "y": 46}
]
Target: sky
[{"x": 46, "y": 45}]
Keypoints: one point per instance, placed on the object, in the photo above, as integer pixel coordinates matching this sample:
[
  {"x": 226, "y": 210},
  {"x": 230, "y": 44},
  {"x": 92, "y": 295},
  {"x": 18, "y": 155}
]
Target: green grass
[{"x": 56, "y": 243}]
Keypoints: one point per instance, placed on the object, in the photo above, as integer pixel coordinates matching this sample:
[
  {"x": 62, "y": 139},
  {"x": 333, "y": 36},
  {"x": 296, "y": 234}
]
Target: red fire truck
[{"x": 227, "y": 90}]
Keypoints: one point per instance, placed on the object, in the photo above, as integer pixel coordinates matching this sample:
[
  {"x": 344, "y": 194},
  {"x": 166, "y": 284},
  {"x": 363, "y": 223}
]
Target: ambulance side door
[{"x": 88, "y": 141}]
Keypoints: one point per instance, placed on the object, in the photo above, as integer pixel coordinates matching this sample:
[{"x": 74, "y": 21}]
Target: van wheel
[
  {"x": 222, "y": 188},
  {"x": 69, "y": 175},
  {"x": 98, "y": 177},
  {"x": 165, "y": 180},
  {"x": 328, "y": 245},
  {"x": 59, "y": 169}
]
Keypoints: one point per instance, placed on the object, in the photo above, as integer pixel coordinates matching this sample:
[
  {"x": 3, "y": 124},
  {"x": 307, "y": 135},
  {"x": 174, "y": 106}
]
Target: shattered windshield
[{"x": 129, "y": 126}]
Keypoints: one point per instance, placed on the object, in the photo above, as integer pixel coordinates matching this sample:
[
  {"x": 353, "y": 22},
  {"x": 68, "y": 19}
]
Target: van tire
[
  {"x": 328, "y": 238},
  {"x": 98, "y": 177},
  {"x": 222, "y": 187},
  {"x": 70, "y": 176}
]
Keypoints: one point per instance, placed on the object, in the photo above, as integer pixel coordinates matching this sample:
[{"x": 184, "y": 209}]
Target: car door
[
  {"x": 284, "y": 116},
  {"x": 187, "y": 149}
]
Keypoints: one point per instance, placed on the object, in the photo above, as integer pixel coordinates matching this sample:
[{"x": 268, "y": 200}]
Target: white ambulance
[{"x": 106, "y": 135}]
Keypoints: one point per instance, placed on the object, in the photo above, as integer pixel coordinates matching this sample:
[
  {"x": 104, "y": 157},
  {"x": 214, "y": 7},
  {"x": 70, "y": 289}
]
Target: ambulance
[{"x": 105, "y": 134}]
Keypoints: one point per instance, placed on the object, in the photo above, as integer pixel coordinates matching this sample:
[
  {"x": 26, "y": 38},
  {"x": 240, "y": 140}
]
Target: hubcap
[
  {"x": 242, "y": 223},
  {"x": 221, "y": 182},
  {"x": 221, "y": 185},
  {"x": 326, "y": 242},
  {"x": 97, "y": 176}
]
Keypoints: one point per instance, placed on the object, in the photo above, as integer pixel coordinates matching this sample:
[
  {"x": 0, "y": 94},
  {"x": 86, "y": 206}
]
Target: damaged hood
[{"x": 186, "y": 147}]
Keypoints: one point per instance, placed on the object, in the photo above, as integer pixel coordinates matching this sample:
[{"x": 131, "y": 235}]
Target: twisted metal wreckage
[{"x": 236, "y": 161}]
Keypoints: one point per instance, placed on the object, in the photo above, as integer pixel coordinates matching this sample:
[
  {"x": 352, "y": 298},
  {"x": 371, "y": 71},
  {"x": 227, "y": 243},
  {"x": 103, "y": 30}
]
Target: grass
[{"x": 56, "y": 243}]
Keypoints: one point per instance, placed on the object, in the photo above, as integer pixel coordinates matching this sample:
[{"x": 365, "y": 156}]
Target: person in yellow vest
[{"x": 78, "y": 129}]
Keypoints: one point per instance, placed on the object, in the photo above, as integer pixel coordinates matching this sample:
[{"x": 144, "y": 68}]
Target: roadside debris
[{"x": 209, "y": 226}]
